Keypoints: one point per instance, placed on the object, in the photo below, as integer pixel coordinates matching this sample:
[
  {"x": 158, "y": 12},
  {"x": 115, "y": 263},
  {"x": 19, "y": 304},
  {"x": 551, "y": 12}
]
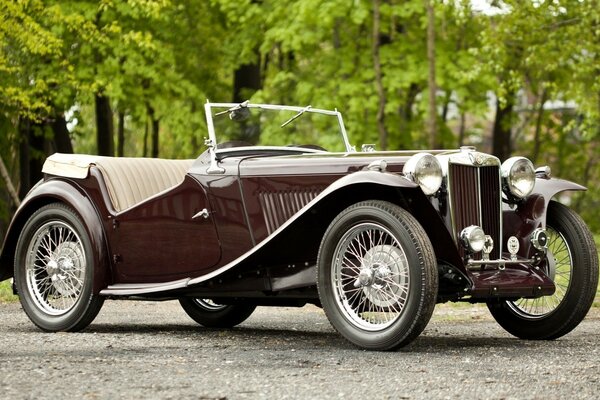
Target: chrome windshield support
[{"x": 213, "y": 168}]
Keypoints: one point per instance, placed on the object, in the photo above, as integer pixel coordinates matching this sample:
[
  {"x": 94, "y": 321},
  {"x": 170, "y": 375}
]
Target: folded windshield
[{"x": 246, "y": 124}]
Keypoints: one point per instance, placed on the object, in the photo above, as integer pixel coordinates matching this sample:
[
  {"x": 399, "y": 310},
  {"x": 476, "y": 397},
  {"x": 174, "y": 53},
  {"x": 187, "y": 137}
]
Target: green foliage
[
  {"x": 597, "y": 299},
  {"x": 6, "y": 294},
  {"x": 169, "y": 56}
]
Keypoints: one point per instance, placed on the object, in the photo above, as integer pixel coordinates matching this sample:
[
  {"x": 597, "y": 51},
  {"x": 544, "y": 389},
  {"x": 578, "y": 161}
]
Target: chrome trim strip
[
  {"x": 500, "y": 245},
  {"x": 502, "y": 262},
  {"x": 289, "y": 149},
  {"x": 127, "y": 289},
  {"x": 479, "y": 199},
  {"x": 451, "y": 204}
]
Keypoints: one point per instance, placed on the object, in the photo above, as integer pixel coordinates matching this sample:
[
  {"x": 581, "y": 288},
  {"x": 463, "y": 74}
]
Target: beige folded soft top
[{"x": 129, "y": 180}]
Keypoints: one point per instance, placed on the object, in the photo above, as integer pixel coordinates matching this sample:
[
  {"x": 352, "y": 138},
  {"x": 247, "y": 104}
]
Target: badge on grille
[
  {"x": 477, "y": 158},
  {"x": 513, "y": 247}
]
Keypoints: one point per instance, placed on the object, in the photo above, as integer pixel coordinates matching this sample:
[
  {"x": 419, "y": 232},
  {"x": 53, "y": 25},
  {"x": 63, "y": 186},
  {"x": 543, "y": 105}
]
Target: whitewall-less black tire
[
  {"x": 377, "y": 276},
  {"x": 574, "y": 262},
  {"x": 54, "y": 270},
  {"x": 213, "y": 315}
]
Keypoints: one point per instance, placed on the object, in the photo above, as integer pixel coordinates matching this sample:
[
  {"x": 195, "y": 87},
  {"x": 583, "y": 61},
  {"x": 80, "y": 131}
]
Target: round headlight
[
  {"x": 425, "y": 170},
  {"x": 518, "y": 176},
  {"x": 473, "y": 238}
]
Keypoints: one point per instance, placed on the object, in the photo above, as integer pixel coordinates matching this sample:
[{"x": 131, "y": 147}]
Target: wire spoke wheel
[
  {"x": 560, "y": 269},
  {"x": 376, "y": 275},
  {"x": 55, "y": 267},
  {"x": 572, "y": 263},
  {"x": 371, "y": 276},
  {"x": 54, "y": 270}
]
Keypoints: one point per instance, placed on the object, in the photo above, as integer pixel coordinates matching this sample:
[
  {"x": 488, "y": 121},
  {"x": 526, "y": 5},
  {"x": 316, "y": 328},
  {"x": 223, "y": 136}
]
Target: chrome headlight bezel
[
  {"x": 425, "y": 170},
  {"x": 518, "y": 177},
  {"x": 473, "y": 238}
]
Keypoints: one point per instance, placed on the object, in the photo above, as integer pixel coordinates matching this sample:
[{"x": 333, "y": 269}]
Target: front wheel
[
  {"x": 213, "y": 315},
  {"x": 573, "y": 259},
  {"x": 377, "y": 275},
  {"x": 54, "y": 270}
]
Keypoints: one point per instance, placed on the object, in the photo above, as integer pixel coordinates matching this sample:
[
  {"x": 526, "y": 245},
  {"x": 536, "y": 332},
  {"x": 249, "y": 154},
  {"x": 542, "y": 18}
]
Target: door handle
[{"x": 204, "y": 214}]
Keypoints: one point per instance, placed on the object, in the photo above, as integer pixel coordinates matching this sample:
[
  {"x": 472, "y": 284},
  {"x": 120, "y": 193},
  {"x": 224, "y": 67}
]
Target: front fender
[
  {"x": 296, "y": 242},
  {"x": 63, "y": 191},
  {"x": 532, "y": 213},
  {"x": 553, "y": 186}
]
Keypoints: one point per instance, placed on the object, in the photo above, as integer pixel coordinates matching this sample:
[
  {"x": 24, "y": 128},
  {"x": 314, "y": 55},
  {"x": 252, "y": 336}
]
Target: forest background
[{"x": 129, "y": 78}]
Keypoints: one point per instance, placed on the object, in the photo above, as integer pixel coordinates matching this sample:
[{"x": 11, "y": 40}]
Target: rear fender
[{"x": 53, "y": 191}]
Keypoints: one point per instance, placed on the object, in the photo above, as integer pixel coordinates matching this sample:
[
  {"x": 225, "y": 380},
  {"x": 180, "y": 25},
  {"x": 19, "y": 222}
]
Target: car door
[{"x": 167, "y": 237}]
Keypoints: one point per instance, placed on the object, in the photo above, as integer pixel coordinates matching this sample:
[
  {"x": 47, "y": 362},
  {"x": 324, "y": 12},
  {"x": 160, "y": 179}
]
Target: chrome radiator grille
[{"x": 475, "y": 199}]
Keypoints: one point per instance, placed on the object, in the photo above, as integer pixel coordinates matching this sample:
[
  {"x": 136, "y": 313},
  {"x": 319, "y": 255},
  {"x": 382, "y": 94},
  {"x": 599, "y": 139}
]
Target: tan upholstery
[{"x": 132, "y": 180}]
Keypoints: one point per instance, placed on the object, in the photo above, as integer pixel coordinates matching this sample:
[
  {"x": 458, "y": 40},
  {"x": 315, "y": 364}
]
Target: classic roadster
[{"x": 374, "y": 238}]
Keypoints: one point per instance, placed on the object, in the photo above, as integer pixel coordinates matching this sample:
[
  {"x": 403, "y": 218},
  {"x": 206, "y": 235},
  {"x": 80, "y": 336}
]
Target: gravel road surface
[{"x": 149, "y": 350}]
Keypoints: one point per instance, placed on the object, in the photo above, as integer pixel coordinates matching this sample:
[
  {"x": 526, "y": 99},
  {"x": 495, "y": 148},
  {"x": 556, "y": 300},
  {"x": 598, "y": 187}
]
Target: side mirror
[{"x": 239, "y": 114}]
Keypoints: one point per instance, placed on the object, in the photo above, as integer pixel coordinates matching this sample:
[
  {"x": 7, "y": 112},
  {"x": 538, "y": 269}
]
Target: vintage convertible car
[{"x": 374, "y": 238}]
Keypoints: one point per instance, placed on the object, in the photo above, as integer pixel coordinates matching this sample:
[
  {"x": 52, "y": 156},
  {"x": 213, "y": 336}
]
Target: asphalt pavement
[{"x": 144, "y": 350}]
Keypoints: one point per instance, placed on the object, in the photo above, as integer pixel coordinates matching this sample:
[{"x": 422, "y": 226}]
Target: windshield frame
[{"x": 208, "y": 109}]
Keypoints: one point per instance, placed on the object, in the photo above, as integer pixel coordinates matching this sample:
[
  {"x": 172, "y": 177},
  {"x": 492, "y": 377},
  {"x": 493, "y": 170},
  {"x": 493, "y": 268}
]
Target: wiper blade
[{"x": 296, "y": 116}]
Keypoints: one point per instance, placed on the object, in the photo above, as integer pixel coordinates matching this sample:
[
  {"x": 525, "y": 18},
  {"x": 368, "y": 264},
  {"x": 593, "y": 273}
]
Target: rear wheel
[
  {"x": 213, "y": 315},
  {"x": 377, "y": 275},
  {"x": 54, "y": 270},
  {"x": 573, "y": 265}
]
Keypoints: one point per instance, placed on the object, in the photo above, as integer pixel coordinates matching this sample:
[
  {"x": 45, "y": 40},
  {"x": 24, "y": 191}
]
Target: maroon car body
[{"x": 248, "y": 225}]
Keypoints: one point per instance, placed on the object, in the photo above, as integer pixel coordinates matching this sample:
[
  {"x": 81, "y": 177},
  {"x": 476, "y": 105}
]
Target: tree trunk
[
  {"x": 246, "y": 81},
  {"x": 537, "y": 139},
  {"x": 62, "y": 137},
  {"x": 155, "y": 128},
  {"x": 104, "y": 126},
  {"x": 31, "y": 154},
  {"x": 145, "y": 152},
  {"x": 383, "y": 135},
  {"x": 501, "y": 135},
  {"x": 432, "y": 110},
  {"x": 462, "y": 128},
  {"x": 406, "y": 116},
  {"x": 24, "y": 181},
  {"x": 8, "y": 182},
  {"x": 120, "y": 134},
  {"x": 446, "y": 106}
]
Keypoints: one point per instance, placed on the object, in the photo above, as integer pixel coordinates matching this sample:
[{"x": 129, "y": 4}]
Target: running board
[{"x": 130, "y": 289}]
